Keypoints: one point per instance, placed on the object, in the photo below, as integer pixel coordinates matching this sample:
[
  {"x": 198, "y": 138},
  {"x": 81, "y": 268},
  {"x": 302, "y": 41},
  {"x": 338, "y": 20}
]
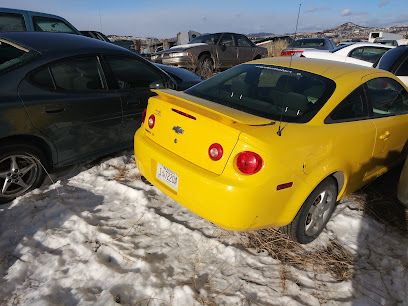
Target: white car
[
  {"x": 403, "y": 185},
  {"x": 364, "y": 54}
]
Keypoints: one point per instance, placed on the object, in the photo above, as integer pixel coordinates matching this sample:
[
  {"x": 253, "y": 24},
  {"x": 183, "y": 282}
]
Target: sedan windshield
[
  {"x": 210, "y": 39},
  {"x": 12, "y": 56},
  {"x": 271, "y": 92}
]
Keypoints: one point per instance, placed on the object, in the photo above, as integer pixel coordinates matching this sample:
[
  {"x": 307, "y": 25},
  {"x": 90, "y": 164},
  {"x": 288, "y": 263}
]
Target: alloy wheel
[
  {"x": 319, "y": 212},
  {"x": 18, "y": 173}
]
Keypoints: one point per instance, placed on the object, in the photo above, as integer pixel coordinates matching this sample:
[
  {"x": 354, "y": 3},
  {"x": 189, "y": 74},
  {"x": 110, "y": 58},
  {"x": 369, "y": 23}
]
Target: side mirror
[{"x": 223, "y": 47}]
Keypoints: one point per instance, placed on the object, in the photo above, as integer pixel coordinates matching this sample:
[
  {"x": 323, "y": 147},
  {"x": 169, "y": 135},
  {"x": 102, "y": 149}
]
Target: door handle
[
  {"x": 385, "y": 136},
  {"x": 54, "y": 110}
]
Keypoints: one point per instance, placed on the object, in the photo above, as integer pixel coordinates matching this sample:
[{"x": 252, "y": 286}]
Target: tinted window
[
  {"x": 308, "y": 43},
  {"x": 46, "y": 24},
  {"x": 243, "y": 41},
  {"x": 268, "y": 91},
  {"x": 42, "y": 78},
  {"x": 351, "y": 108},
  {"x": 12, "y": 56},
  {"x": 133, "y": 73},
  {"x": 403, "y": 68},
  {"x": 11, "y": 23},
  {"x": 368, "y": 54},
  {"x": 227, "y": 40},
  {"x": 387, "y": 97},
  {"x": 77, "y": 74},
  {"x": 390, "y": 58},
  {"x": 210, "y": 39}
]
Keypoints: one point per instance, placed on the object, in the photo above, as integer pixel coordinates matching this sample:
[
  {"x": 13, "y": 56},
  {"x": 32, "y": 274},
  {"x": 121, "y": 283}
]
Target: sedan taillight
[{"x": 249, "y": 162}]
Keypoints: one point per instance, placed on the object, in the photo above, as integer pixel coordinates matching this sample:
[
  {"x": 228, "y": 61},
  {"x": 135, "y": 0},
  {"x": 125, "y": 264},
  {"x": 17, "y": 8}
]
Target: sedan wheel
[
  {"x": 319, "y": 212},
  {"x": 314, "y": 213},
  {"x": 20, "y": 171}
]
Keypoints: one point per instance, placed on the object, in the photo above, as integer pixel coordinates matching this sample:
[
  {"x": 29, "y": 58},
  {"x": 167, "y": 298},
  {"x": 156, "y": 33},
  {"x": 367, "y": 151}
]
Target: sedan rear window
[
  {"x": 308, "y": 43},
  {"x": 12, "y": 56},
  {"x": 272, "y": 92}
]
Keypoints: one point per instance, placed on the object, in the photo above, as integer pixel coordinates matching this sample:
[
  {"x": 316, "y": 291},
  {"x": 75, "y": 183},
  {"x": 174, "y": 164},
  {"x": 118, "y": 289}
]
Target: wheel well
[
  {"x": 257, "y": 57},
  {"x": 36, "y": 141},
  {"x": 205, "y": 53},
  {"x": 339, "y": 177}
]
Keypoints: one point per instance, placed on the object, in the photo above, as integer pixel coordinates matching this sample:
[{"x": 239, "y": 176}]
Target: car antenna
[{"x": 280, "y": 127}]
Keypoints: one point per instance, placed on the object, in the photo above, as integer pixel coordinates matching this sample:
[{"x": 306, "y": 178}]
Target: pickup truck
[{"x": 13, "y": 20}]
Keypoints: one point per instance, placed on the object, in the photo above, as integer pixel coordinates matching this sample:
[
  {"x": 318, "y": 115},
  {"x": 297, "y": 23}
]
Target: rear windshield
[
  {"x": 271, "y": 92},
  {"x": 12, "y": 56},
  {"x": 308, "y": 43}
]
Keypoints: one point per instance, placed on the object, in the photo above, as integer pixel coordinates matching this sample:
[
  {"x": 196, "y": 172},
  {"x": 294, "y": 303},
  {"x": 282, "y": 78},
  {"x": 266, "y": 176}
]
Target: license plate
[{"x": 167, "y": 176}]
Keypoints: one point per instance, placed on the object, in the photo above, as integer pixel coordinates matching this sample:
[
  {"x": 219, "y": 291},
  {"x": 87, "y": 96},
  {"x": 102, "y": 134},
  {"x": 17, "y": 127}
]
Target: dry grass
[
  {"x": 333, "y": 259},
  {"x": 276, "y": 47}
]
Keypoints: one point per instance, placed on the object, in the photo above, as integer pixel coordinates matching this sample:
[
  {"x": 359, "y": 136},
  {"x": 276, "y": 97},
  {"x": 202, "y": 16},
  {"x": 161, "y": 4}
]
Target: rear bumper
[{"x": 226, "y": 201}]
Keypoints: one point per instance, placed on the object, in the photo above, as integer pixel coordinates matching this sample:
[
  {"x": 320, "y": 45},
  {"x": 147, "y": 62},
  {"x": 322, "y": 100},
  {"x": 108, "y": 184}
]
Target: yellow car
[{"x": 274, "y": 142}]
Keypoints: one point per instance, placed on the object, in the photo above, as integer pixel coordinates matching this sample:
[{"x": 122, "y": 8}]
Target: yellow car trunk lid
[{"x": 188, "y": 127}]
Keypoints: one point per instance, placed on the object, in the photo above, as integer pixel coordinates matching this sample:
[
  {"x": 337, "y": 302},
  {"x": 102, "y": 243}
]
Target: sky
[{"x": 162, "y": 19}]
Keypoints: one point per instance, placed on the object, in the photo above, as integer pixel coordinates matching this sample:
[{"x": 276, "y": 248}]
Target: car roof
[
  {"x": 329, "y": 69},
  {"x": 367, "y": 44},
  {"x": 59, "y": 43},
  {"x": 18, "y": 11}
]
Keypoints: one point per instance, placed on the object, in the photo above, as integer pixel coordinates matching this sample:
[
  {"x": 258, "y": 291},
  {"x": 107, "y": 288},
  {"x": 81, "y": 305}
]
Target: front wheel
[
  {"x": 205, "y": 67},
  {"x": 21, "y": 170},
  {"x": 314, "y": 213}
]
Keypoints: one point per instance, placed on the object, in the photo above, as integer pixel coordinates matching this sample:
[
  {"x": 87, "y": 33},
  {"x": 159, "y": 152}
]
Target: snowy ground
[{"x": 100, "y": 236}]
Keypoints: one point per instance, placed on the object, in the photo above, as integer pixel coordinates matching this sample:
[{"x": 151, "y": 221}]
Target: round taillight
[
  {"x": 249, "y": 162},
  {"x": 215, "y": 151},
  {"x": 144, "y": 115},
  {"x": 151, "y": 121}
]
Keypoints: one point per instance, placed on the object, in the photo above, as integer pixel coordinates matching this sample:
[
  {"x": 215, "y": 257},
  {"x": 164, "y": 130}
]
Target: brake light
[
  {"x": 291, "y": 52},
  {"x": 215, "y": 151},
  {"x": 249, "y": 162},
  {"x": 151, "y": 121},
  {"x": 144, "y": 115}
]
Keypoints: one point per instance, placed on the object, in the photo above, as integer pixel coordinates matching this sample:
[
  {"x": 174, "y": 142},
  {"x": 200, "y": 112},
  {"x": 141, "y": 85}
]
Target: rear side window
[
  {"x": 12, "y": 56},
  {"x": 387, "y": 97},
  {"x": 242, "y": 41},
  {"x": 352, "y": 108},
  {"x": 42, "y": 78},
  {"x": 368, "y": 54},
  {"x": 77, "y": 74},
  {"x": 12, "y": 23},
  {"x": 47, "y": 24},
  {"x": 131, "y": 73}
]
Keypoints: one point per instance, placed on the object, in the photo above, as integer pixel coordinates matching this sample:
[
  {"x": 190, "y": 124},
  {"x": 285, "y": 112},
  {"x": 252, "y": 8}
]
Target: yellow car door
[{"x": 389, "y": 102}]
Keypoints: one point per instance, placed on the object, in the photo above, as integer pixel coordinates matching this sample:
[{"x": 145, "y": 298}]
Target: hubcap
[
  {"x": 319, "y": 212},
  {"x": 17, "y": 175}
]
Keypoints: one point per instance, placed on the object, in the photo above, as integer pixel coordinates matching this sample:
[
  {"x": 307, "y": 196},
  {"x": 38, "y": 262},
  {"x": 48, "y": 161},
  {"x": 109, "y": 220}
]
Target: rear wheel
[
  {"x": 20, "y": 170},
  {"x": 205, "y": 66},
  {"x": 314, "y": 213}
]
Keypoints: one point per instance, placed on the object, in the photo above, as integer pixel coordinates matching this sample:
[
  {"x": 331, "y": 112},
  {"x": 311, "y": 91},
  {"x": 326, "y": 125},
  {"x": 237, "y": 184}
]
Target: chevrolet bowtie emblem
[{"x": 178, "y": 130}]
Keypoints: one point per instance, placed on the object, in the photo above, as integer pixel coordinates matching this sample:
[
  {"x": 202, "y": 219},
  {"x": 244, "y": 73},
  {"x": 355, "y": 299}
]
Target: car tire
[
  {"x": 205, "y": 66},
  {"x": 21, "y": 170},
  {"x": 314, "y": 213}
]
